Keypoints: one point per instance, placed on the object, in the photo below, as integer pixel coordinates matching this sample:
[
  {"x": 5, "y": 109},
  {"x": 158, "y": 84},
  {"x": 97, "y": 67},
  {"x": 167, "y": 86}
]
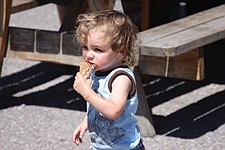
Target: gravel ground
[{"x": 39, "y": 109}]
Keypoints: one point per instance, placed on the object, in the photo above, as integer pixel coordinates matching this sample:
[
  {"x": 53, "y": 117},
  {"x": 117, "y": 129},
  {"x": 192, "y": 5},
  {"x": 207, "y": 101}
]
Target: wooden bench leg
[
  {"x": 5, "y": 8},
  {"x": 73, "y": 11},
  {"x": 145, "y": 122},
  {"x": 145, "y": 13}
]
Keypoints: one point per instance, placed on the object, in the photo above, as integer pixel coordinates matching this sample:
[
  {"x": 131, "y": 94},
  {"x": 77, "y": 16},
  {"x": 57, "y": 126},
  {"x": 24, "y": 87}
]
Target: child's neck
[{"x": 106, "y": 72}]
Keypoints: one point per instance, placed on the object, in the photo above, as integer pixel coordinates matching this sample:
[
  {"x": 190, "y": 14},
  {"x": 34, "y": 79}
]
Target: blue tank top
[{"x": 122, "y": 133}]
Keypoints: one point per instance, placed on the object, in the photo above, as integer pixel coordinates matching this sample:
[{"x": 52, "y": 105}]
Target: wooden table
[{"x": 169, "y": 50}]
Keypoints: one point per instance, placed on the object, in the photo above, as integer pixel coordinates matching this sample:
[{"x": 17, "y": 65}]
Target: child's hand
[
  {"x": 79, "y": 132},
  {"x": 78, "y": 135},
  {"x": 82, "y": 85}
]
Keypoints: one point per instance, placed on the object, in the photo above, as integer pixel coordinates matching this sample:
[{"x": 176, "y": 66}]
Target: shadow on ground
[
  {"x": 197, "y": 118},
  {"x": 178, "y": 124},
  {"x": 60, "y": 95}
]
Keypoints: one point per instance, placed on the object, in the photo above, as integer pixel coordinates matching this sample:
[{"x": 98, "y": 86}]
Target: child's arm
[
  {"x": 112, "y": 108},
  {"x": 79, "y": 131}
]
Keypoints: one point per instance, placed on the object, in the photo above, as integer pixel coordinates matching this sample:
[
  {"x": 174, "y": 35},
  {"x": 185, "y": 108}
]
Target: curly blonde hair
[{"x": 120, "y": 30}]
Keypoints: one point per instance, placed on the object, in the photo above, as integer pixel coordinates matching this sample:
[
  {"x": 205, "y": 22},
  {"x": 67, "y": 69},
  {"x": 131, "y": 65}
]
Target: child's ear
[{"x": 123, "y": 51}]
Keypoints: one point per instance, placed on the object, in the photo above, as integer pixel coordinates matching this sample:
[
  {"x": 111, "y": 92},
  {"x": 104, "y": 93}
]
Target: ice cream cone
[{"x": 85, "y": 69}]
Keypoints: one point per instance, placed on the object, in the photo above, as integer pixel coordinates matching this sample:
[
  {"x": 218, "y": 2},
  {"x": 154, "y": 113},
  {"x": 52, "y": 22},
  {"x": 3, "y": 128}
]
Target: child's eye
[
  {"x": 84, "y": 48},
  {"x": 98, "y": 50}
]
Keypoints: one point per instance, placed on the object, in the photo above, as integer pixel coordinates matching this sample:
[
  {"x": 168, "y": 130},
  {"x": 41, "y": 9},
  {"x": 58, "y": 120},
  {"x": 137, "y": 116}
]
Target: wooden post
[
  {"x": 73, "y": 11},
  {"x": 5, "y": 8},
  {"x": 145, "y": 14},
  {"x": 145, "y": 122}
]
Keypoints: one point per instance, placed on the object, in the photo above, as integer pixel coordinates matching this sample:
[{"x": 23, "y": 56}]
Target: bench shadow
[
  {"x": 60, "y": 95},
  {"x": 198, "y": 118},
  {"x": 191, "y": 121}
]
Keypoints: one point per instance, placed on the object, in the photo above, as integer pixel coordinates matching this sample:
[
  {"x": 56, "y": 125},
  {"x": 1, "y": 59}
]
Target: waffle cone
[{"x": 85, "y": 69}]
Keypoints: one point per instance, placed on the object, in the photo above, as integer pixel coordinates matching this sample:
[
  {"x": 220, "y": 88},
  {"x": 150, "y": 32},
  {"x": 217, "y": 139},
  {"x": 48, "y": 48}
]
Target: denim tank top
[{"x": 122, "y": 133}]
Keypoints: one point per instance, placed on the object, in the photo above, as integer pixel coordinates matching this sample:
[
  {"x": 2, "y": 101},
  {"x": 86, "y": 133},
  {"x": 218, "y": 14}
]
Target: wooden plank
[
  {"x": 70, "y": 45},
  {"x": 62, "y": 59},
  {"x": 22, "y": 39},
  {"x": 186, "y": 40},
  {"x": 161, "y": 31},
  {"x": 168, "y": 39},
  {"x": 48, "y": 42},
  {"x": 20, "y": 5},
  {"x": 185, "y": 66}
]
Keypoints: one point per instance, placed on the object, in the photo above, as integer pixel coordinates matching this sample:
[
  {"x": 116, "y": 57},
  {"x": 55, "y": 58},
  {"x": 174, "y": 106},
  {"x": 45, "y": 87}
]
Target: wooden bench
[
  {"x": 172, "y": 49},
  {"x": 169, "y": 50}
]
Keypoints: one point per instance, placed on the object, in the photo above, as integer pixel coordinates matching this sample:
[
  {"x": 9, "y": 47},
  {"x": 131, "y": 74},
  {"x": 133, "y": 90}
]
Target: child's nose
[{"x": 89, "y": 55}]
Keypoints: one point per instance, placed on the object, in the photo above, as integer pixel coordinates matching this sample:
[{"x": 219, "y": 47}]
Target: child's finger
[
  {"x": 77, "y": 140},
  {"x": 75, "y": 136},
  {"x": 82, "y": 134},
  {"x": 80, "y": 140}
]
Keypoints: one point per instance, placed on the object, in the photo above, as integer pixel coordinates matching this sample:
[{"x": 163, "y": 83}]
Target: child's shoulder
[{"x": 122, "y": 70}]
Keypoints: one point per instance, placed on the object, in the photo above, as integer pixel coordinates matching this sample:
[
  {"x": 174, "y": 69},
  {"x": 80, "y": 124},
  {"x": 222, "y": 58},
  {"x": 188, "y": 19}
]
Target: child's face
[{"x": 98, "y": 52}]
